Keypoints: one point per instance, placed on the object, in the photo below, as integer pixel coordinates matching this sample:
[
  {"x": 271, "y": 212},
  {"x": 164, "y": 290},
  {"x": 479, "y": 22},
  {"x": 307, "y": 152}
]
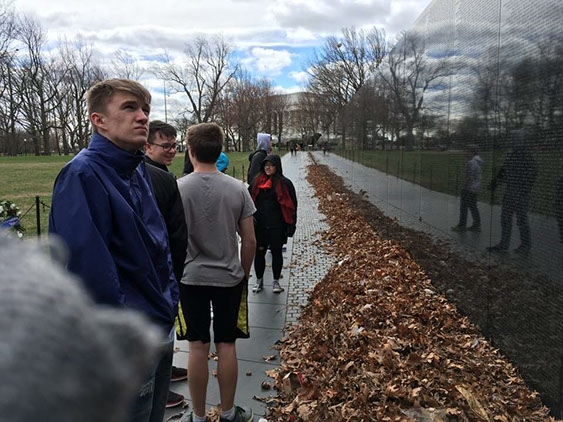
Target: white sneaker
[
  {"x": 276, "y": 287},
  {"x": 258, "y": 286}
]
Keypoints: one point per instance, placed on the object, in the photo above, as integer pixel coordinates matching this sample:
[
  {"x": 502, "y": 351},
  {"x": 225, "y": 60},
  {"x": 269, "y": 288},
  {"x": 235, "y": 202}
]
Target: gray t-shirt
[{"x": 214, "y": 204}]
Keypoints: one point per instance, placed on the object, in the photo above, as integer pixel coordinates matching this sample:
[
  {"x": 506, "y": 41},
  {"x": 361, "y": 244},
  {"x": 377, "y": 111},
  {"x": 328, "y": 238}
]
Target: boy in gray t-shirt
[
  {"x": 214, "y": 204},
  {"x": 217, "y": 207}
]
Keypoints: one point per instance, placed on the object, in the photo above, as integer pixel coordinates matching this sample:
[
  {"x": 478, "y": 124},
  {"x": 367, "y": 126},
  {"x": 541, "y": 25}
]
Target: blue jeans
[{"x": 150, "y": 404}]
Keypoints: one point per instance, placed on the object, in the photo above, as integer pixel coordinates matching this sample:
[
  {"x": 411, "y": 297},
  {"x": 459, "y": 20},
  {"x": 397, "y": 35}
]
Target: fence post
[
  {"x": 38, "y": 215},
  {"x": 243, "y": 176},
  {"x": 234, "y": 172},
  {"x": 414, "y": 173},
  {"x": 431, "y": 167},
  {"x": 387, "y": 164}
]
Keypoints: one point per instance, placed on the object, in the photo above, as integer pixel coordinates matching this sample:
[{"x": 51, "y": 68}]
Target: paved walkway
[
  {"x": 304, "y": 266},
  {"x": 435, "y": 213}
]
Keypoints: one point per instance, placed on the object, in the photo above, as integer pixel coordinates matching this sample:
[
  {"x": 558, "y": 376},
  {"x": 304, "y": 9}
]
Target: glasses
[
  {"x": 166, "y": 147},
  {"x": 269, "y": 165}
]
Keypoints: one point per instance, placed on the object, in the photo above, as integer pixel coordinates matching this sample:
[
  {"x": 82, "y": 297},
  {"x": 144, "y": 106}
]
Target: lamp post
[{"x": 165, "y": 109}]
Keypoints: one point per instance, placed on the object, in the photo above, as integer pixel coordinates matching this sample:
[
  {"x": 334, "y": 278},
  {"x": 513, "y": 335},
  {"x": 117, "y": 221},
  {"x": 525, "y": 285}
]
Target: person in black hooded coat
[{"x": 275, "y": 218}]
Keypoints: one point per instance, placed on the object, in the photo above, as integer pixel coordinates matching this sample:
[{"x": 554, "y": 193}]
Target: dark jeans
[
  {"x": 515, "y": 204},
  {"x": 150, "y": 404},
  {"x": 469, "y": 201}
]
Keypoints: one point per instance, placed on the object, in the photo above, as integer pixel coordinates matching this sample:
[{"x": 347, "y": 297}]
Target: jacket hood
[
  {"x": 273, "y": 158},
  {"x": 477, "y": 159},
  {"x": 222, "y": 162},
  {"x": 263, "y": 141}
]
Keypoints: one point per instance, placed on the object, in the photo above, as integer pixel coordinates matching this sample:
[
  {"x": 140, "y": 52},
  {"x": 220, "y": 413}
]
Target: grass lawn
[
  {"x": 26, "y": 176},
  {"x": 444, "y": 171}
]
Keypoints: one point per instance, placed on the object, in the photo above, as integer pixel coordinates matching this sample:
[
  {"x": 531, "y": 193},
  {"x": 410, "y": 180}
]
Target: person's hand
[{"x": 290, "y": 231}]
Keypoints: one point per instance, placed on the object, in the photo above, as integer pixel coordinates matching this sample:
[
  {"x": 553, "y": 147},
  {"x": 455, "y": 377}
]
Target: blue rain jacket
[{"x": 104, "y": 209}]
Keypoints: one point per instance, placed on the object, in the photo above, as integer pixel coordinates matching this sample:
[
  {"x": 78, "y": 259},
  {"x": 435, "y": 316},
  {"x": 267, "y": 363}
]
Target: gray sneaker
[
  {"x": 258, "y": 286},
  {"x": 242, "y": 414},
  {"x": 276, "y": 288},
  {"x": 187, "y": 417}
]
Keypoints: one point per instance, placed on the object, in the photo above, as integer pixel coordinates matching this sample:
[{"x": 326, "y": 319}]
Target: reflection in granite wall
[{"x": 466, "y": 136}]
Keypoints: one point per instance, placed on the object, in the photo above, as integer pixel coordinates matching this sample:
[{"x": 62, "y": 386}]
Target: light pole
[{"x": 165, "y": 110}]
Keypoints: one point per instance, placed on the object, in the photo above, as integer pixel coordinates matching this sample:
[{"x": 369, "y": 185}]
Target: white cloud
[
  {"x": 329, "y": 16},
  {"x": 263, "y": 33},
  {"x": 300, "y": 77},
  {"x": 267, "y": 61}
]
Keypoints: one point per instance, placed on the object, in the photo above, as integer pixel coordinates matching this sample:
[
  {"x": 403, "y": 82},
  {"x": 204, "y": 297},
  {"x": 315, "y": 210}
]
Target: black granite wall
[{"x": 489, "y": 83}]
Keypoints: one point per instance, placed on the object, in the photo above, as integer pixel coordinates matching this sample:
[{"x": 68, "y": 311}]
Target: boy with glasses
[
  {"x": 160, "y": 150},
  {"x": 161, "y": 145}
]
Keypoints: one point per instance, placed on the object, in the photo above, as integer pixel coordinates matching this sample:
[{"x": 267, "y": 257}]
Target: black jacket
[
  {"x": 188, "y": 166},
  {"x": 170, "y": 205},
  {"x": 256, "y": 159}
]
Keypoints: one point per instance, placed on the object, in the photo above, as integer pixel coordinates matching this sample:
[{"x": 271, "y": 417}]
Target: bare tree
[
  {"x": 8, "y": 103},
  {"x": 344, "y": 65},
  {"x": 244, "y": 108},
  {"x": 202, "y": 76},
  {"x": 309, "y": 117},
  {"x": 124, "y": 65},
  {"x": 279, "y": 104},
  {"x": 81, "y": 73},
  {"x": 410, "y": 73},
  {"x": 38, "y": 79}
]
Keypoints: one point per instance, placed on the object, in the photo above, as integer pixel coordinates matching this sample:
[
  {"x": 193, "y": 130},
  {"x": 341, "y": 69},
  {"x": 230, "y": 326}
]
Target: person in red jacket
[{"x": 275, "y": 218}]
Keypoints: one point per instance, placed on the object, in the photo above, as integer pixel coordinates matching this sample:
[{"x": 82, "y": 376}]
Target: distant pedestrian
[
  {"x": 217, "y": 207},
  {"x": 275, "y": 218},
  {"x": 472, "y": 184},
  {"x": 293, "y": 148},
  {"x": 257, "y": 157},
  {"x": 104, "y": 210}
]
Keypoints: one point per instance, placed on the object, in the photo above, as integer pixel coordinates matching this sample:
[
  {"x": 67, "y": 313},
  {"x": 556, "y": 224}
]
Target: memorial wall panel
[{"x": 499, "y": 97}]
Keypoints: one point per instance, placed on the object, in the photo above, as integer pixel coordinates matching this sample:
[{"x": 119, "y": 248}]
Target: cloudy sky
[{"x": 272, "y": 39}]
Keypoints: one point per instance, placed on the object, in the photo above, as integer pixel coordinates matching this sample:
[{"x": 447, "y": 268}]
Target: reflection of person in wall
[
  {"x": 518, "y": 173},
  {"x": 468, "y": 200},
  {"x": 559, "y": 207}
]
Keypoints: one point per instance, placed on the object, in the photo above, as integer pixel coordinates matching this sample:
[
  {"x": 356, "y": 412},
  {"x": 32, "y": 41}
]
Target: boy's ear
[{"x": 97, "y": 119}]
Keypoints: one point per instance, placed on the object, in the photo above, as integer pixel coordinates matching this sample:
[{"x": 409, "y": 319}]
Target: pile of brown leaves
[{"x": 378, "y": 342}]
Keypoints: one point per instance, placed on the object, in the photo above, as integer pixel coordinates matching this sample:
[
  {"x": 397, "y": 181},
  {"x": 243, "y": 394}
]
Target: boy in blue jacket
[{"x": 104, "y": 210}]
